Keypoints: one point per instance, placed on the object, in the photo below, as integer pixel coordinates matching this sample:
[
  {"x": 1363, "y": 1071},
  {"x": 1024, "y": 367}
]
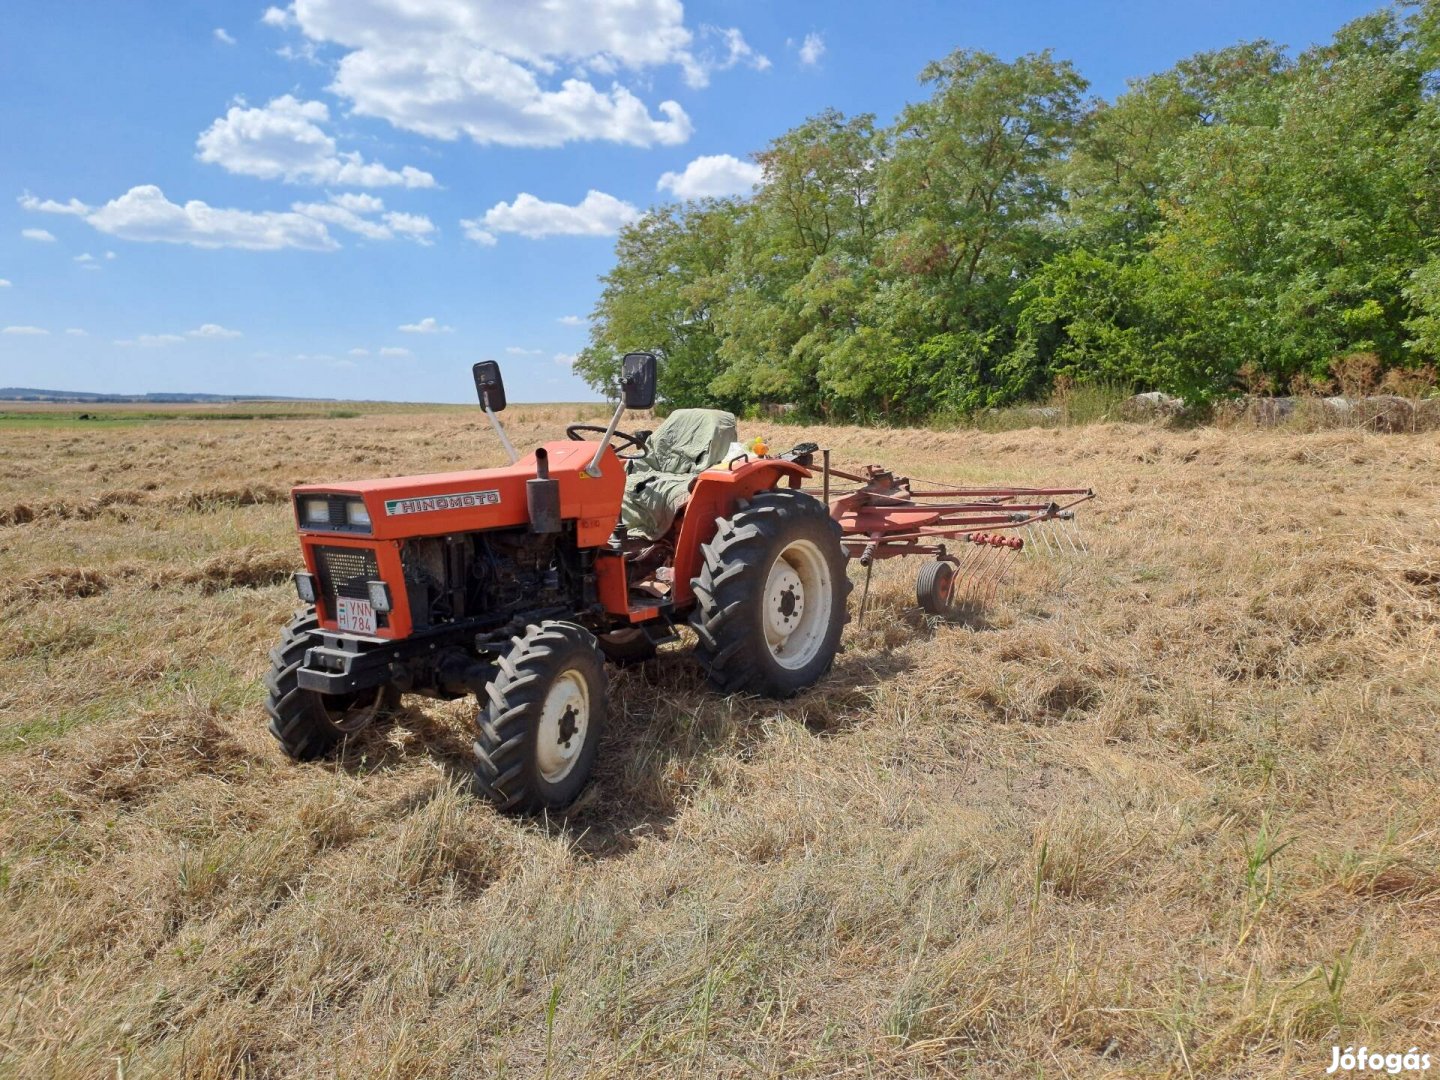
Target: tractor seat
[{"x": 659, "y": 482}]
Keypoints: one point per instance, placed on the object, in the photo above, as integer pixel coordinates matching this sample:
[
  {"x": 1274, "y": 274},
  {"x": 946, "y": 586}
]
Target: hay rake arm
[{"x": 972, "y": 535}]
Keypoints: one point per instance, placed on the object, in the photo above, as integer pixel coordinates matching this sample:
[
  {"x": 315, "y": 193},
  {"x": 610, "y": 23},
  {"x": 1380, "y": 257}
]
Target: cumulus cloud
[
  {"x": 812, "y": 49},
  {"x": 516, "y": 350},
  {"x": 570, "y": 320},
  {"x": 212, "y": 330},
  {"x": 4, "y": 283},
  {"x": 598, "y": 214},
  {"x": 492, "y": 71},
  {"x": 427, "y": 325},
  {"x": 50, "y": 206},
  {"x": 395, "y": 351},
  {"x": 713, "y": 176},
  {"x": 40, "y": 235},
  {"x": 359, "y": 352},
  {"x": 31, "y": 331},
  {"x": 151, "y": 341},
  {"x": 144, "y": 213},
  {"x": 75, "y": 331},
  {"x": 284, "y": 140},
  {"x": 362, "y": 214},
  {"x": 222, "y": 36},
  {"x": 566, "y": 359}
]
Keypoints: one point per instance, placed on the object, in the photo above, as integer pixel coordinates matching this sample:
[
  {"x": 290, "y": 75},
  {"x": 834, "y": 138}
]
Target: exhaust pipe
[{"x": 542, "y": 497}]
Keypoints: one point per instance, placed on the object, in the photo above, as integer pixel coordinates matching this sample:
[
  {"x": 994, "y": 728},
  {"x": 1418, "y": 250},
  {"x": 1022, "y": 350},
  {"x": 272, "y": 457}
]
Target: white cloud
[
  {"x": 713, "y": 176},
  {"x": 359, "y": 352},
  {"x": 812, "y": 49},
  {"x": 85, "y": 258},
  {"x": 33, "y": 331},
  {"x": 222, "y": 36},
  {"x": 570, "y": 320},
  {"x": 565, "y": 360},
  {"x": 4, "y": 283},
  {"x": 516, "y": 350},
  {"x": 39, "y": 235},
  {"x": 284, "y": 141},
  {"x": 143, "y": 213},
  {"x": 75, "y": 331},
  {"x": 395, "y": 351},
  {"x": 151, "y": 341},
  {"x": 213, "y": 331},
  {"x": 598, "y": 214},
  {"x": 348, "y": 211},
  {"x": 323, "y": 357},
  {"x": 426, "y": 325},
  {"x": 109, "y": 254},
  {"x": 50, "y": 206},
  {"x": 496, "y": 72},
  {"x": 474, "y": 231}
]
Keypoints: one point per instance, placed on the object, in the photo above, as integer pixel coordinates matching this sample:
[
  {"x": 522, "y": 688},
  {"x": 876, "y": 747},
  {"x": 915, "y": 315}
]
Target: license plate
[{"x": 355, "y": 616}]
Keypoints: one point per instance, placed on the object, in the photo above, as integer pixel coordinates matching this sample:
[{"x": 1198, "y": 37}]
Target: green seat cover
[{"x": 685, "y": 445}]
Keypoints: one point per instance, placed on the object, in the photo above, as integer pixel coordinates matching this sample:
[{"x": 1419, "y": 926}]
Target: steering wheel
[{"x": 577, "y": 433}]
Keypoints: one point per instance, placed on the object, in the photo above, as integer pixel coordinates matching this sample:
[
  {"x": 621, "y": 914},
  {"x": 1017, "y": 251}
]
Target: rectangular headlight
[
  {"x": 379, "y": 595},
  {"x": 305, "y": 586},
  {"x": 356, "y": 514},
  {"x": 315, "y": 511}
]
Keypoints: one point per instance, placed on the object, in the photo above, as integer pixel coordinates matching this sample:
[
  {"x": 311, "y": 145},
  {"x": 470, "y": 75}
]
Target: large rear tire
[
  {"x": 770, "y": 598},
  {"x": 307, "y": 725},
  {"x": 539, "y": 729}
]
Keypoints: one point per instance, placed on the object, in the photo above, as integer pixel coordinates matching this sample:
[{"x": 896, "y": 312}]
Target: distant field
[{"x": 1172, "y": 816}]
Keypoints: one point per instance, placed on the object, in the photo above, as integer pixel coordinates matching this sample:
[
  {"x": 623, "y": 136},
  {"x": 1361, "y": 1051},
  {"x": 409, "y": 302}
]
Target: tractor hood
[{"x": 437, "y": 503}]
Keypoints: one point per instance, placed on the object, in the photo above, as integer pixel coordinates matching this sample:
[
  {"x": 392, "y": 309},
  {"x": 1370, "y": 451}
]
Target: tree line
[{"x": 1245, "y": 221}]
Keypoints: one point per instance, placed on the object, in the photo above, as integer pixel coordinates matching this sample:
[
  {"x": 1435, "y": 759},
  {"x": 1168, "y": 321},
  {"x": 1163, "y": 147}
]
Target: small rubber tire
[
  {"x": 304, "y": 722},
  {"x": 626, "y": 647},
  {"x": 933, "y": 587},
  {"x": 552, "y": 664},
  {"x": 737, "y": 572}
]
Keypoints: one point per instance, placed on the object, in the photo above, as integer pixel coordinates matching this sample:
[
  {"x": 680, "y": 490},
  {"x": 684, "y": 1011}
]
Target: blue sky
[{"x": 360, "y": 198}]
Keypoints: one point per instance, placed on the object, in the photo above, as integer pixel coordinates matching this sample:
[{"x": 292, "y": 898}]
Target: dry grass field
[{"x": 1176, "y": 814}]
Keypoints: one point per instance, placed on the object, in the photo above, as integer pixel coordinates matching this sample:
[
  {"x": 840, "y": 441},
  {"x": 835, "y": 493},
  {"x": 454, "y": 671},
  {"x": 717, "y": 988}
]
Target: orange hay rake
[{"x": 884, "y": 516}]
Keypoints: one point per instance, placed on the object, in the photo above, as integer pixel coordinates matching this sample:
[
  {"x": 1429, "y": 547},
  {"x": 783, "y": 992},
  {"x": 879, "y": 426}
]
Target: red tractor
[{"x": 516, "y": 584}]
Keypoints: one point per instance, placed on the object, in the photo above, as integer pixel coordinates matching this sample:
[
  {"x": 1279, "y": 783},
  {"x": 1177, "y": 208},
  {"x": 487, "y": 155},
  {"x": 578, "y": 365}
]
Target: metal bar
[{"x": 593, "y": 469}]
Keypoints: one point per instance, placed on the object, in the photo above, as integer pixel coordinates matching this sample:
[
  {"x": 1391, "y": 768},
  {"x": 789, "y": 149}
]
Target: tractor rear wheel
[
  {"x": 539, "y": 729},
  {"x": 770, "y": 598},
  {"x": 307, "y": 725}
]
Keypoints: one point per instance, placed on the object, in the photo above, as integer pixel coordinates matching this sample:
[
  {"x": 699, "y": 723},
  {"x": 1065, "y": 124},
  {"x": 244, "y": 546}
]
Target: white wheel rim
[
  {"x": 564, "y": 723},
  {"x": 797, "y": 604}
]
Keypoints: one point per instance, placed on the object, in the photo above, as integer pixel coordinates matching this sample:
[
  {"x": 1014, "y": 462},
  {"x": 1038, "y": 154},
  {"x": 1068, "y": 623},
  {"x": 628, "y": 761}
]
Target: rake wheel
[{"x": 935, "y": 588}]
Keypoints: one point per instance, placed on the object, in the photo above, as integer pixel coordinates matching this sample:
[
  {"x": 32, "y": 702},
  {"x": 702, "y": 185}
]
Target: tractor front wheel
[
  {"x": 540, "y": 727},
  {"x": 307, "y": 725},
  {"x": 770, "y": 598}
]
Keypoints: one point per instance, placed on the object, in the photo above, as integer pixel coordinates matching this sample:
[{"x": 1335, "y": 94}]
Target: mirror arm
[
  {"x": 593, "y": 469},
  {"x": 504, "y": 440}
]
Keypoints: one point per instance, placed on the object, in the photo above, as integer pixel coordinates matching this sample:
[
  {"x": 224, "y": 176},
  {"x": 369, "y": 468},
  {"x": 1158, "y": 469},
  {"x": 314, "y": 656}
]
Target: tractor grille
[{"x": 344, "y": 572}]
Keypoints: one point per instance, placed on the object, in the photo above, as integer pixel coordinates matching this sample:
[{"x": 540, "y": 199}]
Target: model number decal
[{"x": 426, "y": 503}]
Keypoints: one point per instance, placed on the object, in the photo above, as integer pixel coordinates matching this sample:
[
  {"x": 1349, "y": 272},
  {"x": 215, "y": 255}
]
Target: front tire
[
  {"x": 307, "y": 725},
  {"x": 770, "y": 598},
  {"x": 539, "y": 730}
]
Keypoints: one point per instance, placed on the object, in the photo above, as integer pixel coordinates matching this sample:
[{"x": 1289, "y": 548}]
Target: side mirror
[
  {"x": 489, "y": 387},
  {"x": 637, "y": 380}
]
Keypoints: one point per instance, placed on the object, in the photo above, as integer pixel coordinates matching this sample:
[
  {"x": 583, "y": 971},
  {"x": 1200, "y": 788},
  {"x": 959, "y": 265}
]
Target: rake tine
[
  {"x": 1044, "y": 537},
  {"x": 1029, "y": 548},
  {"x": 1007, "y": 561},
  {"x": 975, "y": 574}
]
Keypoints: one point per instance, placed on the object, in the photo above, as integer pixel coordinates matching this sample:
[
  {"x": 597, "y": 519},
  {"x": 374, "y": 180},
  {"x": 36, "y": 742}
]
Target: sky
[{"x": 361, "y": 198}]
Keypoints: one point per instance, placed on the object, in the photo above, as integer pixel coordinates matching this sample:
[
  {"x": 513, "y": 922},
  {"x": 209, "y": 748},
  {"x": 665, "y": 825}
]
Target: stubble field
[{"x": 1171, "y": 813}]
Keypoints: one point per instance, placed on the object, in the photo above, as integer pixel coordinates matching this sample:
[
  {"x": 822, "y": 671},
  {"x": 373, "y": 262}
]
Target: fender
[{"x": 715, "y": 495}]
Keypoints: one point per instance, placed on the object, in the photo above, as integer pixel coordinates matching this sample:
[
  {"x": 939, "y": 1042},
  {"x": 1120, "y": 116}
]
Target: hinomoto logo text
[{"x": 424, "y": 504}]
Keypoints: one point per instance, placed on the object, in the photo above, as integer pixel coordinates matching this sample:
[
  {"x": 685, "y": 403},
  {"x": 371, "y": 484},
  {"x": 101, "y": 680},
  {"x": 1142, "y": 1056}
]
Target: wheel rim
[
  {"x": 798, "y": 598},
  {"x": 564, "y": 724},
  {"x": 356, "y": 713}
]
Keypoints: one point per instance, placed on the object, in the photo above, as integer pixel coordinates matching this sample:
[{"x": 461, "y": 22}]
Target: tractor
[{"x": 518, "y": 584}]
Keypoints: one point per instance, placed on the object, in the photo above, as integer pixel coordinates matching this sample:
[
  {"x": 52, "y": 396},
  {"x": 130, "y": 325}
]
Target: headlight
[
  {"x": 315, "y": 511},
  {"x": 356, "y": 514}
]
